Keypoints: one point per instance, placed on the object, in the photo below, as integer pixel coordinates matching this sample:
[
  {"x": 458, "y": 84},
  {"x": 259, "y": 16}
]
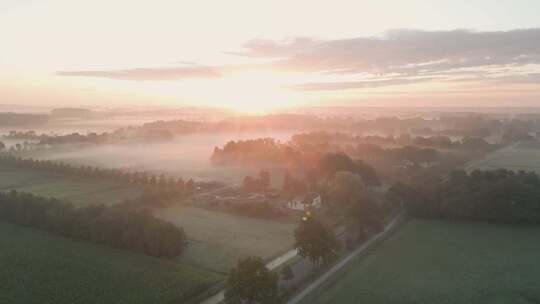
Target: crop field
[
  {"x": 80, "y": 191},
  {"x": 516, "y": 157},
  {"x": 40, "y": 268},
  {"x": 217, "y": 240},
  {"x": 443, "y": 262}
]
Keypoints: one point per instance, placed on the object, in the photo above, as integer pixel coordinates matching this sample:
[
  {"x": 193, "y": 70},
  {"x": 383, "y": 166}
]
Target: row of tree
[
  {"x": 22, "y": 119},
  {"x": 252, "y": 151},
  {"x": 496, "y": 196},
  {"x": 145, "y": 179},
  {"x": 74, "y": 138},
  {"x": 476, "y": 143},
  {"x": 122, "y": 134},
  {"x": 117, "y": 227}
]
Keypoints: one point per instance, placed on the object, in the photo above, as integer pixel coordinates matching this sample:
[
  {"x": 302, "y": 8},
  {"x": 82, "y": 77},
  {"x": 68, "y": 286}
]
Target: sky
[{"x": 261, "y": 55}]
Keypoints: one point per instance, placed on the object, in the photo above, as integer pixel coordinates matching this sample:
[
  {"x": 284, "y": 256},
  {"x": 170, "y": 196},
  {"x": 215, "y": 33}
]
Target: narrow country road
[
  {"x": 275, "y": 263},
  {"x": 318, "y": 282}
]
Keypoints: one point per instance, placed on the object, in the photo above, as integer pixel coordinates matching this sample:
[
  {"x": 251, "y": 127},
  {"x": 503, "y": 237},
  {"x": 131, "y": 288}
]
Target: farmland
[
  {"x": 443, "y": 262},
  {"x": 217, "y": 240},
  {"x": 80, "y": 191},
  {"x": 37, "y": 267},
  {"x": 521, "y": 156}
]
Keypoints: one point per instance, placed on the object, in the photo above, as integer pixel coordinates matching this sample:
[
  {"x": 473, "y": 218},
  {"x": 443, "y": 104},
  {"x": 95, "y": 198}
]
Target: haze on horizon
[{"x": 257, "y": 56}]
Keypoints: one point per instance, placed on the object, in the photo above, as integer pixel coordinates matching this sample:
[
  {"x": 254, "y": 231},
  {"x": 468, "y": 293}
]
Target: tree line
[
  {"x": 324, "y": 141},
  {"x": 494, "y": 196},
  {"x": 158, "y": 189},
  {"x": 252, "y": 151},
  {"x": 141, "y": 178},
  {"x": 22, "y": 119},
  {"x": 305, "y": 152},
  {"x": 117, "y": 227},
  {"x": 122, "y": 134}
]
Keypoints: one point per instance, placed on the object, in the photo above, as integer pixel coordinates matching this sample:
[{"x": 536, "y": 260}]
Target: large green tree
[
  {"x": 363, "y": 217},
  {"x": 315, "y": 240},
  {"x": 293, "y": 186},
  {"x": 331, "y": 163},
  {"x": 345, "y": 189},
  {"x": 250, "y": 282},
  {"x": 287, "y": 273}
]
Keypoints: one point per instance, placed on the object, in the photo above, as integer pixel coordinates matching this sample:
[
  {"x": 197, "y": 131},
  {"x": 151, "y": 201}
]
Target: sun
[
  {"x": 253, "y": 93},
  {"x": 254, "y": 107},
  {"x": 258, "y": 92}
]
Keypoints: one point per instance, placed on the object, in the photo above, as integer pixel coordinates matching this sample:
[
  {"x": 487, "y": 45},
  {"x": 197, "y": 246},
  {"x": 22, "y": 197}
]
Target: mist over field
[
  {"x": 187, "y": 156},
  {"x": 68, "y": 126}
]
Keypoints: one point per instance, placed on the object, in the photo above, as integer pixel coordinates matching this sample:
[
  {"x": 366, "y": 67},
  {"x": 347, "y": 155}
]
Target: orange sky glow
[{"x": 259, "y": 56}]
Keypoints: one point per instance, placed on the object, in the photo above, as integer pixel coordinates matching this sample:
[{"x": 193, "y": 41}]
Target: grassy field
[
  {"x": 80, "y": 191},
  {"x": 218, "y": 239},
  {"x": 515, "y": 157},
  {"x": 37, "y": 267},
  {"x": 443, "y": 262}
]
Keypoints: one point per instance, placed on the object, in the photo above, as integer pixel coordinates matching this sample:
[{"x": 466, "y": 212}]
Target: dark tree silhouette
[
  {"x": 364, "y": 217},
  {"x": 287, "y": 273},
  {"x": 264, "y": 178},
  {"x": 293, "y": 186},
  {"x": 315, "y": 240},
  {"x": 261, "y": 183},
  {"x": 497, "y": 196},
  {"x": 113, "y": 226},
  {"x": 331, "y": 163},
  {"x": 250, "y": 282}
]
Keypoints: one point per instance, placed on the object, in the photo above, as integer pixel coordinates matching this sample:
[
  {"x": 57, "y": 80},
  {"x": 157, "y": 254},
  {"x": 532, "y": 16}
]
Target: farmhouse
[{"x": 305, "y": 202}]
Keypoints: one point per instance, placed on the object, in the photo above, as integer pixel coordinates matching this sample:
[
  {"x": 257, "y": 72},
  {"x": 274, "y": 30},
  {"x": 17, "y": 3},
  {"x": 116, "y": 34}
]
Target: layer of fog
[
  {"x": 186, "y": 156},
  {"x": 68, "y": 126}
]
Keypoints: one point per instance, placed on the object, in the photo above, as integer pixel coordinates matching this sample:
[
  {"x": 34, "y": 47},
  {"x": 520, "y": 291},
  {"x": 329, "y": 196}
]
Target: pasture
[
  {"x": 443, "y": 262},
  {"x": 217, "y": 239},
  {"x": 80, "y": 191},
  {"x": 517, "y": 157},
  {"x": 37, "y": 267}
]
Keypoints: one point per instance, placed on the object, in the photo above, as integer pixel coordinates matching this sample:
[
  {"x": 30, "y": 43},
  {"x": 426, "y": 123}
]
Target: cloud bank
[
  {"x": 399, "y": 57},
  {"x": 150, "y": 74},
  {"x": 408, "y": 56}
]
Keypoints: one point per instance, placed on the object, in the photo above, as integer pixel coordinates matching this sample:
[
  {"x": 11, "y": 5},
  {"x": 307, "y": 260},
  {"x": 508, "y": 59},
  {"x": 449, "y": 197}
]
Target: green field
[
  {"x": 217, "y": 239},
  {"x": 78, "y": 190},
  {"x": 37, "y": 267},
  {"x": 59, "y": 270},
  {"x": 516, "y": 157},
  {"x": 443, "y": 262}
]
